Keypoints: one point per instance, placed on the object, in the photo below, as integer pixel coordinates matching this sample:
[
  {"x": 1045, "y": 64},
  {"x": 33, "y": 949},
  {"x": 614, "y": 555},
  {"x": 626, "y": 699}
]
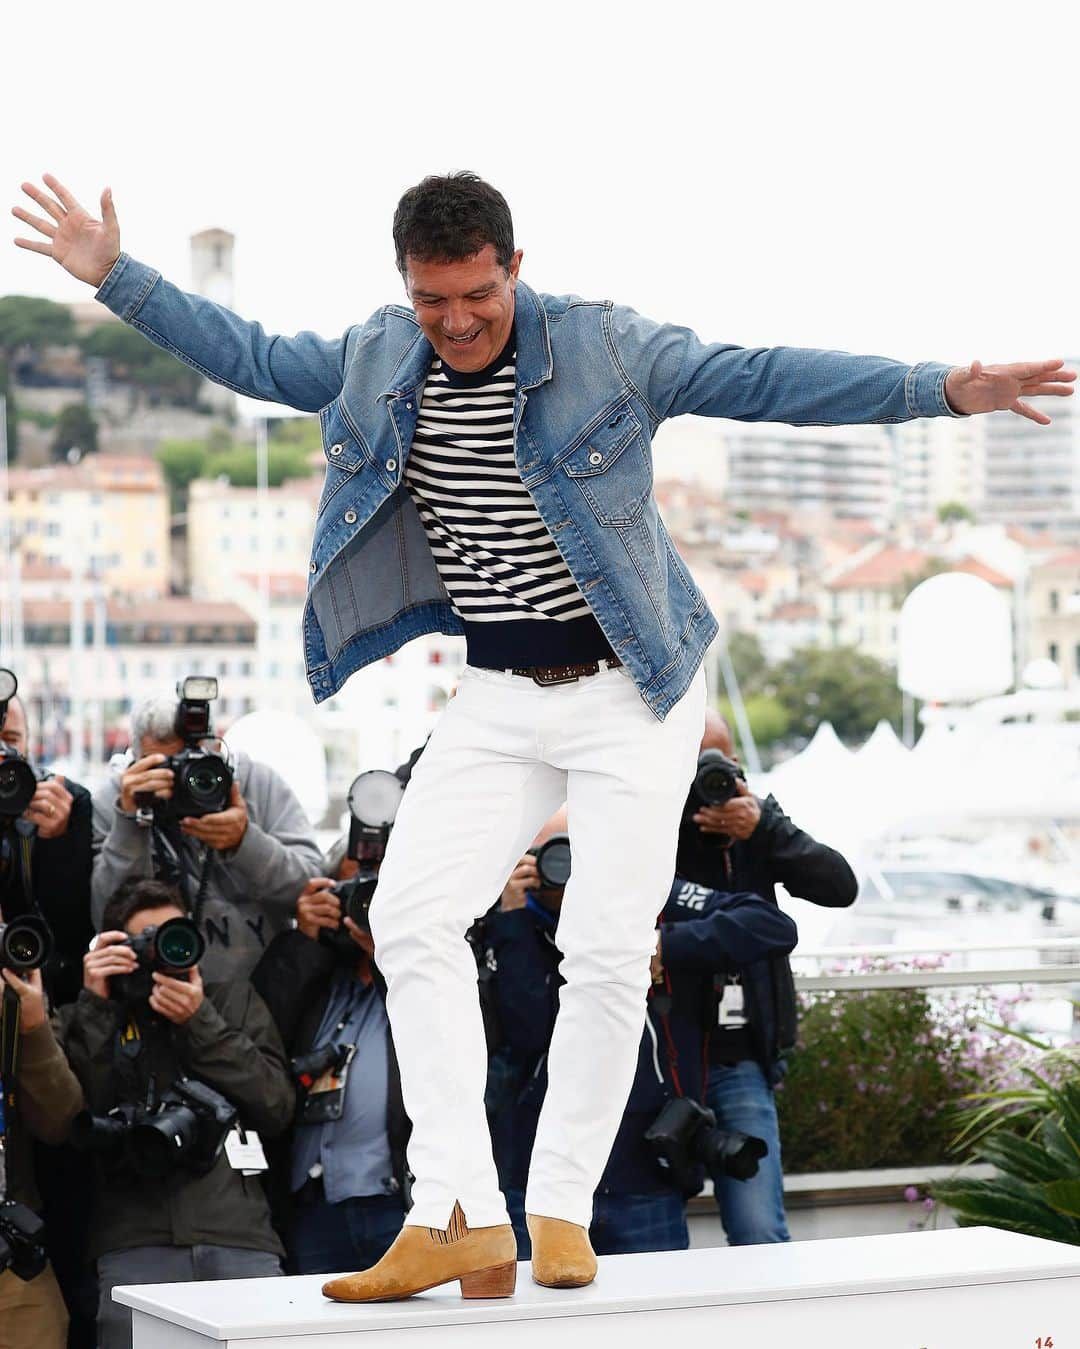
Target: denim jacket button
[
  {"x": 391, "y": 464},
  {"x": 314, "y": 567},
  {"x": 408, "y": 407},
  {"x": 336, "y": 449},
  {"x": 350, "y": 517},
  {"x": 596, "y": 457}
]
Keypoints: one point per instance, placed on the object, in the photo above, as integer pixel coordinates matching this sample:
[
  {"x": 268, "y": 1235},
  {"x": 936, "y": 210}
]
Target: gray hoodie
[{"x": 251, "y": 890}]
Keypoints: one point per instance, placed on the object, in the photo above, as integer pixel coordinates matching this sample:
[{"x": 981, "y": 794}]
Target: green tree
[
  {"x": 132, "y": 359},
  {"x": 950, "y": 511},
  {"x": 239, "y": 465},
  {"x": 768, "y": 718},
  {"x": 748, "y": 661},
  {"x": 28, "y": 320},
  {"x": 838, "y": 684},
  {"x": 75, "y": 429},
  {"x": 181, "y": 461},
  {"x": 8, "y": 393},
  {"x": 302, "y": 432}
]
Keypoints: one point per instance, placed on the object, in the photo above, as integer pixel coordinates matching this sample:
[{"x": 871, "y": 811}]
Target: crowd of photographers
[{"x": 197, "y": 1073}]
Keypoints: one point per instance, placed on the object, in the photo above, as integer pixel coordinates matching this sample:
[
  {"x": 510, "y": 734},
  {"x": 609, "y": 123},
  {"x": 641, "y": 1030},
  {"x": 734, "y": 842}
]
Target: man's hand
[
  {"x": 50, "y": 809},
  {"x": 83, "y": 246},
  {"x": 107, "y": 958},
  {"x": 177, "y": 1000},
  {"x": 656, "y": 964},
  {"x": 1000, "y": 388},
  {"x": 31, "y": 995},
  {"x": 145, "y": 775},
  {"x": 737, "y": 818},
  {"x": 523, "y": 877},
  {"x": 317, "y": 908},
  {"x": 222, "y": 830}
]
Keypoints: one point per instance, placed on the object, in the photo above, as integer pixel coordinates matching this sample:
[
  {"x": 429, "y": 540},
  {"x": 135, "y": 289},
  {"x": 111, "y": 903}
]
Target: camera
[
  {"x": 22, "y": 1241},
  {"x": 373, "y": 801},
  {"x": 717, "y": 778},
  {"x": 553, "y": 861},
  {"x": 306, "y": 1069},
  {"x": 18, "y": 782},
  {"x": 202, "y": 780},
  {"x": 25, "y": 943},
  {"x": 172, "y": 948},
  {"x": 186, "y": 1128},
  {"x": 684, "y": 1136}
]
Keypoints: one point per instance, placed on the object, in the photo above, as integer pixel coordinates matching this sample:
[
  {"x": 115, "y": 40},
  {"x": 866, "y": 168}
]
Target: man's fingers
[
  {"x": 66, "y": 199},
  {"x": 108, "y": 210},
  {"x": 43, "y": 200},
  {"x": 1036, "y": 390},
  {"x": 1033, "y": 414},
  {"x": 34, "y": 247},
  {"x": 38, "y": 222}
]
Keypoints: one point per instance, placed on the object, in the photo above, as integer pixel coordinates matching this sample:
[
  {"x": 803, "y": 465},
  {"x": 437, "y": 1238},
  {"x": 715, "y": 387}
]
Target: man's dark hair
[
  {"x": 132, "y": 896},
  {"x": 447, "y": 218}
]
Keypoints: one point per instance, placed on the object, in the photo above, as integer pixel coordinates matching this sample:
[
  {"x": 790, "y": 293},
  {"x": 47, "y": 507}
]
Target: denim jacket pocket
[{"x": 611, "y": 467}]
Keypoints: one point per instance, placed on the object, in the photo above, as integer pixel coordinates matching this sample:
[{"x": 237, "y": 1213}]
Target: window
[
  {"x": 1052, "y": 651},
  {"x": 149, "y": 558},
  {"x": 147, "y": 669},
  {"x": 1076, "y": 658},
  {"x": 223, "y": 668},
  {"x": 1053, "y": 601},
  {"x": 245, "y": 667}
]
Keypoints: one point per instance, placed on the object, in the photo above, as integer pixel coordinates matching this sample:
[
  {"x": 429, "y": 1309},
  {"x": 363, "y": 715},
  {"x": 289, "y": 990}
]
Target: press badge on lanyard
[
  {"x": 325, "y": 1100},
  {"x": 731, "y": 1012}
]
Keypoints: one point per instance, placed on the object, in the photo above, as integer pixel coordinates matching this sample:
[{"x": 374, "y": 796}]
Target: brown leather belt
[{"x": 566, "y": 674}]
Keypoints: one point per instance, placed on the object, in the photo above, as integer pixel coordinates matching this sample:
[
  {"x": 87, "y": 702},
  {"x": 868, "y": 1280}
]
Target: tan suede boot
[
  {"x": 562, "y": 1255},
  {"x": 484, "y": 1260}
]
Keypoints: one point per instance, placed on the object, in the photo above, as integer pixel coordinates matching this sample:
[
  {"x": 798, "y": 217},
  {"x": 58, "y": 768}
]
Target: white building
[
  {"x": 1032, "y": 472},
  {"x": 844, "y": 470},
  {"x": 938, "y": 460}
]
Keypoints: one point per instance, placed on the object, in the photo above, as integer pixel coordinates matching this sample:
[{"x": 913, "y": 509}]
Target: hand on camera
[
  {"x": 31, "y": 994},
  {"x": 50, "y": 809},
  {"x": 145, "y": 775},
  {"x": 737, "y": 818},
  {"x": 317, "y": 908},
  {"x": 222, "y": 830},
  {"x": 105, "y": 958},
  {"x": 523, "y": 877},
  {"x": 177, "y": 1000}
]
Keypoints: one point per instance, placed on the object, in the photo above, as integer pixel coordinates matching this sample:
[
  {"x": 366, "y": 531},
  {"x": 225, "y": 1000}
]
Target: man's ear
[{"x": 515, "y": 267}]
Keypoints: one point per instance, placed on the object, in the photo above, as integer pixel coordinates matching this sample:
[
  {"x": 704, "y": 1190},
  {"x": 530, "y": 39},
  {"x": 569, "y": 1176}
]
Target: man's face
[
  {"x": 14, "y": 732},
  {"x": 170, "y": 745},
  {"x": 465, "y": 308}
]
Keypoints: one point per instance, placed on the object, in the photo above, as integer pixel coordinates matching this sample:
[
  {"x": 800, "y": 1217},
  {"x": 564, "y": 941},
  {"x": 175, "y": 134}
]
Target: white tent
[{"x": 291, "y": 748}]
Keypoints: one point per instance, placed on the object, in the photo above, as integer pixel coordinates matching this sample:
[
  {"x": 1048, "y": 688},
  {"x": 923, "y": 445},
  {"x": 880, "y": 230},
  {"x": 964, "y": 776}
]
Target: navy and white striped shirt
[{"x": 502, "y": 570}]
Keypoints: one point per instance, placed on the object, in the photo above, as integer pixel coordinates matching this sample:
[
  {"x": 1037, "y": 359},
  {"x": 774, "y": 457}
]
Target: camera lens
[
  {"x": 553, "y": 861},
  {"x": 204, "y": 782},
  {"x": 17, "y": 785},
  {"x": 25, "y": 944},
  {"x": 179, "y": 944},
  {"x": 157, "y": 1144}
]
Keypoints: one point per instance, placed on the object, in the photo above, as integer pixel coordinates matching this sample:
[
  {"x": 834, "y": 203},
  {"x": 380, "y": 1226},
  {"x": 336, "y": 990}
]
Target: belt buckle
[{"x": 545, "y": 680}]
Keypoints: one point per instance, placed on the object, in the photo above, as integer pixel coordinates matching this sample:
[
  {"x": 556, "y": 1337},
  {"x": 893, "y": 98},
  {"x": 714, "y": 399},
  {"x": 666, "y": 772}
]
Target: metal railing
[{"x": 964, "y": 976}]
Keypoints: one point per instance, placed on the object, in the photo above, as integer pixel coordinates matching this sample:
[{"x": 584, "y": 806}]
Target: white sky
[{"x": 895, "y": 178}]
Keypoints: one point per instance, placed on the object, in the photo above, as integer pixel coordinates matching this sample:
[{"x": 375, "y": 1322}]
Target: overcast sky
[{"x": 891, "y": 178}]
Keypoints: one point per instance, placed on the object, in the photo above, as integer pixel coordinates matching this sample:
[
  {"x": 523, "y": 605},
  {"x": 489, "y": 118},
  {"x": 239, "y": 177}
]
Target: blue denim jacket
[{"x": 594, "y": 381}]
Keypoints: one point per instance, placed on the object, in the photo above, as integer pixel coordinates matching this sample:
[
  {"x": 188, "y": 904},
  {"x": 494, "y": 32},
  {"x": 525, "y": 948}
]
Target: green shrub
[{"x": 876, "y": 1076}]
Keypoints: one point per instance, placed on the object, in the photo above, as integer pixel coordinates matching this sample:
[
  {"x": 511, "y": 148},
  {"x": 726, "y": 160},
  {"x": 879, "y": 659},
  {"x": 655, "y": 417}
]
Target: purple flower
[
  {"x": 911, "y": 1194},
  {"x": 928, "y": 1204}
]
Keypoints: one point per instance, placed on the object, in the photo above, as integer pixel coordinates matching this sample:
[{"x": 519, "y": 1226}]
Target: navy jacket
[
  {"x": 776, "y": 853},
  {"x": 703, "y": 932}
]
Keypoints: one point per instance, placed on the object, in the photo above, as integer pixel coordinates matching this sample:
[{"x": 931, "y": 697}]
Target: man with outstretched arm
[{"x": 489, "y": 474}]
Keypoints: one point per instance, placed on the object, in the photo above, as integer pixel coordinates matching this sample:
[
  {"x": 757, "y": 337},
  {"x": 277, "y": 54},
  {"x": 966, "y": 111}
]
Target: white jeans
[{"x": 504, "y": 756}]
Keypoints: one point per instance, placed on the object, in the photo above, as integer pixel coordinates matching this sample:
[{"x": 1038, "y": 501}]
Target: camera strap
[
  {"x": 9, "y": 1048},
  {"x": 16, "y": 853},
  {"x": 169, "y": 866}
]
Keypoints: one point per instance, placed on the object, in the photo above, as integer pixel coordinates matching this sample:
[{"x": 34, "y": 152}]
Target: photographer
[
  {"x": 745, "y": 843},
  {"x": 45, "y": 854},
  {"x": 39, "y": 1097},
  {"x": 664, "y": 1141},
  {"x": 347, "y": 1177},
  {"x": 172, "y": 1058},
  {"x": 239, "y": 867}
]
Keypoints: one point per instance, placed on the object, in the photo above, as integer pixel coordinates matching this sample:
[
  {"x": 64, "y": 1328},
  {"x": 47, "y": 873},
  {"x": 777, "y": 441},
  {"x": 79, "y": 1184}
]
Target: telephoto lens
[
  {"x": 17, "y": 783},
  {"x": 25, "y": 943},
  {"x": 553, "y": 861}
]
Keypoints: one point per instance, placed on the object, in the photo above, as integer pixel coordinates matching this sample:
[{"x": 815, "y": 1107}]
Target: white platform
[{"x": 926, "y": 1290}]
